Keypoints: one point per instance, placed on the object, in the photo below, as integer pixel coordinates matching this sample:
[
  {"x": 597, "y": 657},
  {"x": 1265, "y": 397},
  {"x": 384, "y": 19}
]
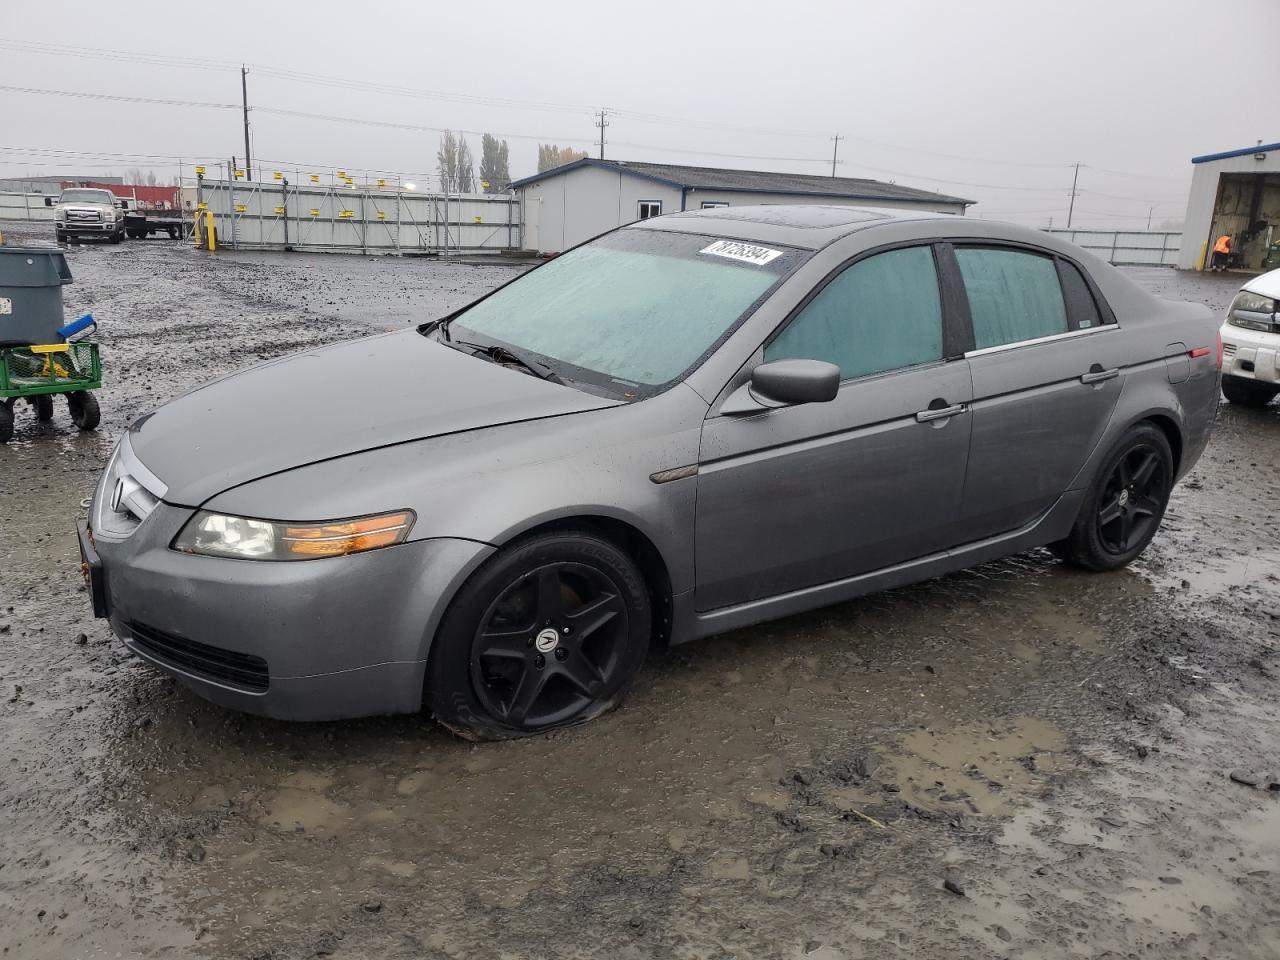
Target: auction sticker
[
  {"x": 6, "y": 305},
  {"x": 746, "y": 252}
]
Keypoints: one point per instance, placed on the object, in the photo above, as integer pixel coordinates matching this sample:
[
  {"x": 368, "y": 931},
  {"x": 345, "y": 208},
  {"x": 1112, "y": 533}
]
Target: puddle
[{"x": 977, "y": 769}]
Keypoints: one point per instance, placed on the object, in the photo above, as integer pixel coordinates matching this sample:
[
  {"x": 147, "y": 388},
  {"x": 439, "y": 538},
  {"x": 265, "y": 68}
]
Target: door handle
[
  {"x": 1097, "y": 375},
  {"x": 942, "y": 413}
]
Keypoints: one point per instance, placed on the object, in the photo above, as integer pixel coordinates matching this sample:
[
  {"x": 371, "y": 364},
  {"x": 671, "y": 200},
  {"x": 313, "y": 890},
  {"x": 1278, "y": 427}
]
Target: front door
[
  {"x": 1047, "y": 372},
  {"x": 804, "y": 495}
]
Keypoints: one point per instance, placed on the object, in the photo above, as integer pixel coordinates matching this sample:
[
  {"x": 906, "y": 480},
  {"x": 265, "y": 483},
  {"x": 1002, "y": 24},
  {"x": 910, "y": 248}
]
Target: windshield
[
  {"x": 86, "y": 196},
  {"x": 630, "y": 311}
]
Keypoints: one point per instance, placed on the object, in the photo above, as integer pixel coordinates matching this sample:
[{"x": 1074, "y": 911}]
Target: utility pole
[
  {"x": 1072, "y": 207},
  {"x": 835, "y": 150},
  {"x": 602, "y": 123},
  {"x": 1150, "y": 211},
  {"x": 244, "y": 94}
]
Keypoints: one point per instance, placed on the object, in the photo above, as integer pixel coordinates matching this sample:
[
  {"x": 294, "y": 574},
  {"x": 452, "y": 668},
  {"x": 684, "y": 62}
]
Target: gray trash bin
[{"x": 31, "y": 280}]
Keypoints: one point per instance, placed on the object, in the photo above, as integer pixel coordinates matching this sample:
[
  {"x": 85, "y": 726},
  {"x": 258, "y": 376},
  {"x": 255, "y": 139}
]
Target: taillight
[{"x": 1219, "y": 349}]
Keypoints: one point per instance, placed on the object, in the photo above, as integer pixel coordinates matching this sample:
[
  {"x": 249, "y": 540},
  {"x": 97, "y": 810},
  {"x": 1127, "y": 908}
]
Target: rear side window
[
  {"x": 880, "y": 314},
  {"x": 1084, "y": 309},
  {"x": 1013, "y": 295}
]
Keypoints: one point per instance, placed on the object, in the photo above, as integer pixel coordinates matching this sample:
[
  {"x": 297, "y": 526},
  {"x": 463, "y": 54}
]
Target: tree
[
  {"x": 151, "y": 179},
  {"x": 493, "y": 164},
  {"x": 453, "y": 161},
  {"x": 549, "y": 156}
]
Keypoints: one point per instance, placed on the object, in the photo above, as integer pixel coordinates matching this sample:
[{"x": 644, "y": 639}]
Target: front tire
[
  {"x": 1123, "y": 509},
  {"x": 548, "y": 633},
  {"x": 1248, "y": 393}
]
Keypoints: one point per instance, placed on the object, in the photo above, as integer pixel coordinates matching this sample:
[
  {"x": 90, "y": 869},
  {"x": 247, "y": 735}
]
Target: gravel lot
[{"x": 1020, "y": 760}]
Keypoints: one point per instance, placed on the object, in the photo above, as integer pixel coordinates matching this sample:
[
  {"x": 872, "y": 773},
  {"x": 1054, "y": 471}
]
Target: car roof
[{"x": 814, "y": 226}]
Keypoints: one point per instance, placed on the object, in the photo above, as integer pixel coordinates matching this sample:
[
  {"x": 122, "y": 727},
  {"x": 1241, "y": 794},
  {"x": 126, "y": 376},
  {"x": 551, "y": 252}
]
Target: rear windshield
[
  {"x": 86, "y": 196},
  {"x": 631, "y": 311}
]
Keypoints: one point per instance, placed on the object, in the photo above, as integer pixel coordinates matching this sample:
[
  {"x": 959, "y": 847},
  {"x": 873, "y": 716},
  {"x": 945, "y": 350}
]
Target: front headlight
[
  {"x": 243, "y": 538},
  {"x": 1252, "y": 311}
]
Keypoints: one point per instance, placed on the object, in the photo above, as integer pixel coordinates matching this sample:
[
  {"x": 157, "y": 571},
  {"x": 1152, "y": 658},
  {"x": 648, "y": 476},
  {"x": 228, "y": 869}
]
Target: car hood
[
  {"x": 1267, "y": 285},
  {"x": 333, "y": 402}
]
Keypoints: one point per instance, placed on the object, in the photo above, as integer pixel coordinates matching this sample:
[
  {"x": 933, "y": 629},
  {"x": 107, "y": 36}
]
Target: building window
[
  {"x": 650, "y": 208},
  {"x": 712, "y": 204}
]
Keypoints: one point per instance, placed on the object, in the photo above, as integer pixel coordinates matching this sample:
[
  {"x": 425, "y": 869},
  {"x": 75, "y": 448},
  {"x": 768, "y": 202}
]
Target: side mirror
[
  {"x": 48, "y": 201},
  {"x": 781, "y": 383},
  {"x": 123, "y": 204},
  {"x": 796, "y": 381}
]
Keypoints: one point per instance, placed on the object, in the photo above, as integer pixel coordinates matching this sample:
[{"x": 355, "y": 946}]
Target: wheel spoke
[
  {"x": 550, "y": 603},
  {"x": 1125, "y": 474},
  {"x": 504, "y": 642},
  {"x": 1147, "y": 506},
  {"x": 582, "y": 673},
  {"x": 589, "y": 618},
  {"x": 1126, "y": 528},
  {"x": 1146, "y": 469},
  {"x": 526, "y": 694},
  {"x": 1111, "y": 512}
]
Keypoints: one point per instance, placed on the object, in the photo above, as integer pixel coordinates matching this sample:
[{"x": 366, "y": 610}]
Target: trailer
[{"x": 139, "y": 223}]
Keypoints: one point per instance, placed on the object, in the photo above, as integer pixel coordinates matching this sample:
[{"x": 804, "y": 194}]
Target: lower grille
[{"x": 238, "y": 669}]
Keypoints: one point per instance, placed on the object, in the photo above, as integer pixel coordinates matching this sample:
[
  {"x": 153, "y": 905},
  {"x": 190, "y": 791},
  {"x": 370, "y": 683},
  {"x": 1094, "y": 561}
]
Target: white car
[{"x": 1251, "y": 343}]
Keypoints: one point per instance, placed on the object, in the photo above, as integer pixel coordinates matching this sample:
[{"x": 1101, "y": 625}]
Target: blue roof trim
[
  {"x": 949, "y": 201},
  {"x": 1242, "y": 152},
  {"x": 592, "y": 162}
]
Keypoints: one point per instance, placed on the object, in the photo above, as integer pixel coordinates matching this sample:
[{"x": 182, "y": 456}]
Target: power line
[{"x": 282, "y": 73}]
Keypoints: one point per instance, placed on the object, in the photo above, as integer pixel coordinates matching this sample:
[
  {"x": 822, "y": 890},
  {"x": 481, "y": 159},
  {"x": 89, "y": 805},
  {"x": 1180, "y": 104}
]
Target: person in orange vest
[{"x": 1221, "y": 253}]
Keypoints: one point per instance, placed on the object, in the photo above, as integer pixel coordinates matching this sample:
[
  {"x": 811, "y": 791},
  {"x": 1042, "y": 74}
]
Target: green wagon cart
[
  {"x": 37, "y": 358},
  {"x": 35, "y": 373}
]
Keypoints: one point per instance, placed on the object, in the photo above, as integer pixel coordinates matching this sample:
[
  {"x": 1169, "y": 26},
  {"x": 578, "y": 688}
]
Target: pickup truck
[{"x": 87, "y": 212}]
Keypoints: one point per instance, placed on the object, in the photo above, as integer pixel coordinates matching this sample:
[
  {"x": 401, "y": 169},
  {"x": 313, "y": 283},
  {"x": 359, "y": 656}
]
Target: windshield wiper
[{"x": 500, "y": 354}]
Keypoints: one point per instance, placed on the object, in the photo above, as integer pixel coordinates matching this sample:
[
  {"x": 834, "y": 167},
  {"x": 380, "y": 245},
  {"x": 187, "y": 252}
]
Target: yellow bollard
[
  {"x": 1204, "y": 249},
  {"x": 210, "y": 231}
]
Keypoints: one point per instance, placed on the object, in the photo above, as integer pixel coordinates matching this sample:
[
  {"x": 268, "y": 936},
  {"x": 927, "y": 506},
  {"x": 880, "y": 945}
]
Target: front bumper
[
  {"x": 1250, "y": 354},
  {"x": 301, "y": 640},
  {"x": 90, "y": 226}
]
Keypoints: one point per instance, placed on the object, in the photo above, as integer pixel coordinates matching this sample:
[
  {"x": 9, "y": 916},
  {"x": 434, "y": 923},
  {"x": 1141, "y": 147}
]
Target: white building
[
  {"x": 569, "y": 204},
  {"x": 1235, "y": 192}
]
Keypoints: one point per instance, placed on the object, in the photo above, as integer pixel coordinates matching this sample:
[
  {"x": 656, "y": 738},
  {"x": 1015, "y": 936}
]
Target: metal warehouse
[
  {"x": 569, "y": 204},
  {"x": 1235, "y": 192}
]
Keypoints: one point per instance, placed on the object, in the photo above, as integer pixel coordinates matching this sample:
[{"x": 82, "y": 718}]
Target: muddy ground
[{"x": 1053, "y": 746}]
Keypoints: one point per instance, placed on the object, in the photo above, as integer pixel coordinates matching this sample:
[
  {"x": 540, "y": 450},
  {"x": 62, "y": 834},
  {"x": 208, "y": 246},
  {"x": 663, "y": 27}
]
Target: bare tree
[
  {"x": 453, "y": 162},
  {"x": 550, "y": 156}
]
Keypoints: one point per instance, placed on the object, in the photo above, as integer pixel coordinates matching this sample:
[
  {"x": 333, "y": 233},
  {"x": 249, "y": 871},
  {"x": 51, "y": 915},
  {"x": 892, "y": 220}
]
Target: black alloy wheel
[
  {"x": 549, "y": 644},
  {"x": 549, "y": 632},
  {"x": 1132, "y": 500},
  {"x": 1122, "y": 510}
]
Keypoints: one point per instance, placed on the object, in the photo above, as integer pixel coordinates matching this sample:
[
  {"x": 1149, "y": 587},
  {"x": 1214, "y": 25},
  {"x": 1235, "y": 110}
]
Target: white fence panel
[
  {"x": 1128, "y": 247},
  {"x": 24, "y": 206},
  {"x": 273, "y": 216}
]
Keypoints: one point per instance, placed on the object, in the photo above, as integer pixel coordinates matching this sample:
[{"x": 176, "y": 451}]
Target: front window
[
  {"x": 880, "y": 314},
  {"x": 631, "y": 311},
  {"x": 649, "y": 208},
  {"x": 86, "y": 196}
]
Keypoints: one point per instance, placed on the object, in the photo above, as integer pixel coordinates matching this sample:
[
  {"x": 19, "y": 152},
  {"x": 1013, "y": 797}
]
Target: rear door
[
  {"x": 802, "y": 495},
  {"x": 1047, "y": 372}
]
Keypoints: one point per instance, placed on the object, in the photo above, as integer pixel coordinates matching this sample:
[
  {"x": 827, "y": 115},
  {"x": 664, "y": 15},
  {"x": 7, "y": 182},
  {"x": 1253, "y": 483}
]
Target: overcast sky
[{"x": 992, "y": 100}]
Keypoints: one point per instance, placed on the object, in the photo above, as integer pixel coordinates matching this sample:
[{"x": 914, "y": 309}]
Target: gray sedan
[{"x": 685, "y": 426}]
